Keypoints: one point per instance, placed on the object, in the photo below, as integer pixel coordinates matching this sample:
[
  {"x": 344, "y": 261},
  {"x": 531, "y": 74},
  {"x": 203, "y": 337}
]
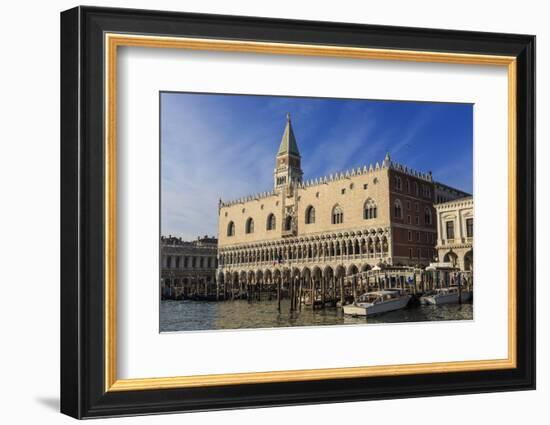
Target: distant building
[
  {"x": 334, "y": 226},
  {"x": 444, "y": 193},
  {"x": 188, "y": 267},
  {"x": 455, "y": 229}
]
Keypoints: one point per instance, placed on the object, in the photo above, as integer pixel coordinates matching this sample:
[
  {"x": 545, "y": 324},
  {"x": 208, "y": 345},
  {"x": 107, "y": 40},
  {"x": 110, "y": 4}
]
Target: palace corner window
[
  {"x": 310, "y": 215},
  {"x": 249, "y": 225},
  {"x": 271, "y": 222},
  {"x": 231, "y": 229}
]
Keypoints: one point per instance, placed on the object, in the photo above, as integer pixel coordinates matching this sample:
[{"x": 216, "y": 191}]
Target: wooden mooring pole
[
  {"x": 300, "y": 294},
  {"x": 342, "y": 294},
  {"x": 279, "y": 294},
  {"x": 323, "y": 293}
]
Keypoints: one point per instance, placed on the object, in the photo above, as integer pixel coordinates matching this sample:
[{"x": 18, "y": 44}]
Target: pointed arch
[
  {"x": 397, "y": 209},
  {"x": 249, "y": 228},
  {"x": 370, "y": 210},
  {"x": 427, "y": 216},
  {"x": 337, "y": 216},
  {"x": 271, "y": 222},
  {"x": 397, "y": 182},
  {"x": 231, "y": 229},
  {"x": 468, "y": 262},
  {"x": 310, "y": 215},
  {"x": 288, "y": 222}
]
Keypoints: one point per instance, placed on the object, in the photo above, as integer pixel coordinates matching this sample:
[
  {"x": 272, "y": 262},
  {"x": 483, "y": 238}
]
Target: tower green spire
[
  {"x": 288, "y": 141},
  {"x": 287, "y": 162}
]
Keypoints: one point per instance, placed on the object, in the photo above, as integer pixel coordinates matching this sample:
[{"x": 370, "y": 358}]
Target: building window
[
  {"x": 369, "y": 209},
  {"x": 270, "y": 222},
  {"x": 408, "y": 219},
  {"x": 410, "y": 253},
  {"x": 288, "y": 223},
  {"x": 231, "y": 229},
  {"x": 351, "y": 186},
  {"x": 408, "y": 186},
  {"x": 408, "y": 205},
  {"x": 415, "y": 187},
  {"x": 418, "y": 236},
  {"x": 168, "y": 262},
  {"x": 410, "y": 236},
  {"x": 397, "y": 209},
  {"x": 427, "y": 216},
  {"x": 397, "y": 182},
  {"x": 416, "y": 207},
  {"x": 337, "y": 215},
  {"x": 365, "y": 186},
  {"x": 249, "y": 228},
  {"x": 310, "y": 215},
  {"x": 470, "y": 227},
  {"x": 450, "y": 228},
  {"x": 416, "y": 220},
  {"x": 427, "y": 192},
  {"x": 343, "y": 191}
]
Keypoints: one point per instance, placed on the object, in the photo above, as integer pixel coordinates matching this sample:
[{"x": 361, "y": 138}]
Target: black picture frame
[{"x": 83, "y": 392}]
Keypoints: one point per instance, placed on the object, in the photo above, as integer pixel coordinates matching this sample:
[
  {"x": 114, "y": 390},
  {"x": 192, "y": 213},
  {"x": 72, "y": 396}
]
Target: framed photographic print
[{"x": 261, "y": 212}]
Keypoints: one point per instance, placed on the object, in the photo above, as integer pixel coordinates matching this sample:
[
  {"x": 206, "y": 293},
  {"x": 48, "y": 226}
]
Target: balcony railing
[{"x": 308, "y": 260}]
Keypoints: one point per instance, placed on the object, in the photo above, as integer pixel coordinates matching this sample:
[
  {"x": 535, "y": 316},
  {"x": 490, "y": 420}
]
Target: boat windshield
[
  {"x": 448, "y": 290},
  {"x": 374, "y": 297}
]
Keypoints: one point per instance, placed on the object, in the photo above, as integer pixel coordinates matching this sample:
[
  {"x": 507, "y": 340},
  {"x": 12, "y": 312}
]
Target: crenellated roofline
[
  {"x": 244, "y": 199},
  {"x": 387, "y": 163}
]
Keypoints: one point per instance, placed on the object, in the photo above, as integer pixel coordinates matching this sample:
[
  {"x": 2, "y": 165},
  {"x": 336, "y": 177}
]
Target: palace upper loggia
[{"x": 333, "y": 226}]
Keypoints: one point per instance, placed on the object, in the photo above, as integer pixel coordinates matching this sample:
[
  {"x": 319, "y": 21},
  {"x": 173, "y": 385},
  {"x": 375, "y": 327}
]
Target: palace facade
[
  {"x": 329, "y": 227},
  {"x": 455, "y": 229}
]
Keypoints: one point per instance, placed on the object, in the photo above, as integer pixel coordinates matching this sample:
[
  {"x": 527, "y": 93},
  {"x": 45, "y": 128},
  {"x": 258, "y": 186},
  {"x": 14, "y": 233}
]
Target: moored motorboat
[
  {"x": 377, "y": 302},
  {"x": 451, "y": 295}
]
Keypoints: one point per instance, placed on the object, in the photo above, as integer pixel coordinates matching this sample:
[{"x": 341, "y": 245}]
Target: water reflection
[{"x": 194, "y": 315}]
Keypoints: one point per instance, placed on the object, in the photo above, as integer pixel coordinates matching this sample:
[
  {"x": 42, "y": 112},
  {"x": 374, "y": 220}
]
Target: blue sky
[{"x": 224, "y": 146}]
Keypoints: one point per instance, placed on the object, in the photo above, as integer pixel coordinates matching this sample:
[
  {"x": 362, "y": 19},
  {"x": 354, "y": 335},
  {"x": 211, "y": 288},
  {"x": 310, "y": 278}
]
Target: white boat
[
  {"x": 446, "y": 296},
  {"x": 377, "y": 302}
]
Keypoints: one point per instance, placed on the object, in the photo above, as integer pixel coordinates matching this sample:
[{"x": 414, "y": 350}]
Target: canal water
[{"x": 240, "y": 314}]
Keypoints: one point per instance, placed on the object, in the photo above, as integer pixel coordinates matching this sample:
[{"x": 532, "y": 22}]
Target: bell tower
[{"x": 288, "y": 170}]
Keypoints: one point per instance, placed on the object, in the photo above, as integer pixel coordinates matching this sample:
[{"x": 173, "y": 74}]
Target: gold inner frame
[{"x": 113, "y": 41}]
